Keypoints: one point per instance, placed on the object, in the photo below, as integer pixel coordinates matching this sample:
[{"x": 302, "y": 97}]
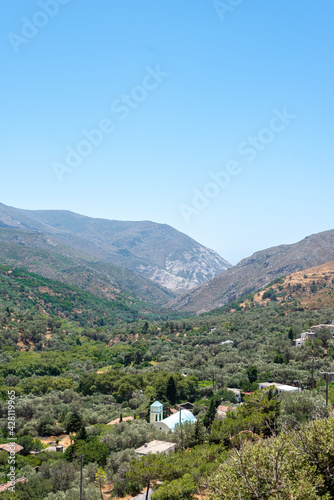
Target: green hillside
[
  {"x": 89, "y": 361},
  {"x": 42, "y": 254},
  {"x": 33, "y": 294},
  {"x": 157, "y": 252}
]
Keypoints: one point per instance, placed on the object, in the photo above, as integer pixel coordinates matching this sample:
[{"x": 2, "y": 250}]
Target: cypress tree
[
  {"x": 171, "y": 390},
  {"x": 210, "y": 414},
  {"x": 81, "y": 434}
]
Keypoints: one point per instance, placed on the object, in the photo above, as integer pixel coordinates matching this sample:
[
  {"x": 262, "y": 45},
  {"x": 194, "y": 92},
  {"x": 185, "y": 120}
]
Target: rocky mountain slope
[
  {"x": 257, "y": 271},
  {"x": 43, "y": 255},
  {"x": 311, "y": 288},
  {"x": 156, "y": 251}
]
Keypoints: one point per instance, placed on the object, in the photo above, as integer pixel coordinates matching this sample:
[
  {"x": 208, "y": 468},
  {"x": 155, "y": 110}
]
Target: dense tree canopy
[{"x": 88, "y": 361}]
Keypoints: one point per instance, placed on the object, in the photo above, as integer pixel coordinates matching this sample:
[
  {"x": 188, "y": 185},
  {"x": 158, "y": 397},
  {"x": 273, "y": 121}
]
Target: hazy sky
[{"x": 213, "y": 117}]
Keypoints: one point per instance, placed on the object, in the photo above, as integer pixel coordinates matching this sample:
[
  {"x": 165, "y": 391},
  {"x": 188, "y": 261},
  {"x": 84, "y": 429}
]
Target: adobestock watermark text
[
  {"x": 223, "y": 7},
  {"x": 30, "y": 28},
  {"x": 121, "y": 108},
  {"x": 11, "y": 424},
  {"x": 248, "y": 150}
]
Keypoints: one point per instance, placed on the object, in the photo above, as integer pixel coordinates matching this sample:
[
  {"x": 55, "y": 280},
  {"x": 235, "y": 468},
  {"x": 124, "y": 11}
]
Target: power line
[{"x": 81, "y": 478}]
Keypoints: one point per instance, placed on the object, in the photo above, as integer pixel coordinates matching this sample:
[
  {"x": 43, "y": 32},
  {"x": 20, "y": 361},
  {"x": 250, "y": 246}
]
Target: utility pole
[
  {"x": 312, "y": 383},
  {"x": 81, "y": 478},
  {"x": 181, "y": 431},
  {"x": 299, "y": 383},
  {"x": 328, "y": 376},
  {"x": 312, "y": 357}
]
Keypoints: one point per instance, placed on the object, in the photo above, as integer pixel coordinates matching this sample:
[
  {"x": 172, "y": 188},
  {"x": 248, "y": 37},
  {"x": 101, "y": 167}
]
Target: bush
[
  {"x": 226, "y": 395},
  {"x": 298, "y": 408},
  {"x": 269, "y": 294},
  {"x": 46, "y": 426},
  {"x": 297, "y": 464},
  {"x": 179, "y": 489}
]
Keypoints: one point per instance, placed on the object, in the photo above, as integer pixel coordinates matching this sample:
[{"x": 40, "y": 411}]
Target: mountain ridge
[
  {"x": 256, "y": 271},
  {"x": 41, "y": 254},
  {"x": 156, "y": 251}
]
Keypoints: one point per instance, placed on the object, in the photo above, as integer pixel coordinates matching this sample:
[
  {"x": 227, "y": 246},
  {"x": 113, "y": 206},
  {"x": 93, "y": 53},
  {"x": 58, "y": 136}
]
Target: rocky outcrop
[
  {"x": 158, "y": 252},
  {"x": 256, "y": 272}
]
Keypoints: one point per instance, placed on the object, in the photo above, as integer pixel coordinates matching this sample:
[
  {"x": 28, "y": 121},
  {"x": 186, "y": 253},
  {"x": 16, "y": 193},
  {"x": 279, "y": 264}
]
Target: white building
[
  {"x": 280, "y": 387},
  {"x": 302, "y": 339},
  {"x": 156, "y": 412},
  {"x": 169, "y": 423},
  {"x": 156, "y": 447},
  {"x": 312, "y": 333},
  {"x": 328, "y": 327},
  {"x": 237, "y": 393}
]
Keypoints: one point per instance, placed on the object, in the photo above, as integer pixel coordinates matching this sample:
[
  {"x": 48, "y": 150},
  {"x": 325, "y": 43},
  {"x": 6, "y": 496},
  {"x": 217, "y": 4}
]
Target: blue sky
[{"x": 181, "y": 92}]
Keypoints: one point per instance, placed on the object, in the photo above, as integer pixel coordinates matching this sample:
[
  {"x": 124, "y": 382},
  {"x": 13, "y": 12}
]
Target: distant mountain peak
[{"x": 156, "y": 251}]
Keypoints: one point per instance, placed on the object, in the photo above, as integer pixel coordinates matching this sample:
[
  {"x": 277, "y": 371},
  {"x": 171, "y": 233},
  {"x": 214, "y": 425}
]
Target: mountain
[
  {"x": 156, "y": 251},
  {"x": 312, "y": 288},
  {"x": 257, "y": 271},
  {"x": 43, "y": 255},
  {"x": 27, "y": 292}
]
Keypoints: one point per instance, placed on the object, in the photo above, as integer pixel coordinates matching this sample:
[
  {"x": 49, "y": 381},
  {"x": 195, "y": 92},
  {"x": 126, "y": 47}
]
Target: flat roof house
[
  {"x": 280, "y": 387},
  {"x": 156, "y": 447},
  {"x": 312, "y": 333}
]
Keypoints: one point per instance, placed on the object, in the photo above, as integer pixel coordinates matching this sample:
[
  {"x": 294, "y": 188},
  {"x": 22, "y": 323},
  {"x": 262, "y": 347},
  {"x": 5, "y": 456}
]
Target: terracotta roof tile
[
  {"x": 11, "y": 447},
  {"x": 4, "y": 487}
]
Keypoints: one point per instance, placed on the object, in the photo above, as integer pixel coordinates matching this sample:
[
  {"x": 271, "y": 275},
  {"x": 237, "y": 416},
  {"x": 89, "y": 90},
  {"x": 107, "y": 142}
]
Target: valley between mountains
[
  {"x": 113, "y": 332},
  {"x": 148, "y": 261}
]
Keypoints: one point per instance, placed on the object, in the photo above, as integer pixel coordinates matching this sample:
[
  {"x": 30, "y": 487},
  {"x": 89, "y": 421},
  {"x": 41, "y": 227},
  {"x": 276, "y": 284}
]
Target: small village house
[
  {"x": 11, "y": 447},
  {"x": 312, "y": 332},
  {"x": 156, "y": 447},
  {"x": 279, "y": 387}
]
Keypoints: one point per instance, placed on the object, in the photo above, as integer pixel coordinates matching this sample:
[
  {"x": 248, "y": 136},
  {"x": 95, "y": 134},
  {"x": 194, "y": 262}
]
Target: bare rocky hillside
[{"x": 257, "y": 271}]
